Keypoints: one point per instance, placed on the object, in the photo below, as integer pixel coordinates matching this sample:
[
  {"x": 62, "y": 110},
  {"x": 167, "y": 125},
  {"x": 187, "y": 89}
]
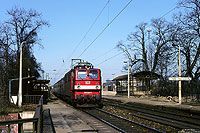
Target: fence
[
  {"x": 37, "y": 120},
  {"x": 190, "y": 90},
  {"x": 31, "y": 99}
]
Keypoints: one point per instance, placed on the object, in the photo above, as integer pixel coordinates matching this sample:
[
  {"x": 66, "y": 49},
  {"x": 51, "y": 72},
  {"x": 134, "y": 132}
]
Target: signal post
[{"x": 179, "y": 79}]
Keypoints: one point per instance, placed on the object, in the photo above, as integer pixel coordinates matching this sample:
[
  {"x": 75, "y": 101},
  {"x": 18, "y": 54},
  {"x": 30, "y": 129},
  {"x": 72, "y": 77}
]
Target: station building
[{"x": 141, "y": 83}]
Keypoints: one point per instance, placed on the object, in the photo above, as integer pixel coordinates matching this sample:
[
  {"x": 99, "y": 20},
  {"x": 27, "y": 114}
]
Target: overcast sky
[{"x": 71, "y": 19}]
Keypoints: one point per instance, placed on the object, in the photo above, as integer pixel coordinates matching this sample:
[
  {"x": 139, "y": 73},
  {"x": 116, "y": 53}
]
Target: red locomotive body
[{"x": 81, "y": 85}]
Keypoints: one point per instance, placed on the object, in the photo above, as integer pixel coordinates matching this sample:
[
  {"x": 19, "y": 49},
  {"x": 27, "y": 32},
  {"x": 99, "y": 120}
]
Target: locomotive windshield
[
  {"x": 93, "y": 75},
  {"x": 87, "y": 74},
  {"x": 82, "y": 75}
]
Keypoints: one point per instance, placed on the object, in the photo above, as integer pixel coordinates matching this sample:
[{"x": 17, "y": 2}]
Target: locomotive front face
[
  {"x": 87, "y": 80},
  {"x": 87, "y": 86}
]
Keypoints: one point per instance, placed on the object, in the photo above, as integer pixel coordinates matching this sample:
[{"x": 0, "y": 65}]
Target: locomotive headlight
[{"x": 78, "y": 87}]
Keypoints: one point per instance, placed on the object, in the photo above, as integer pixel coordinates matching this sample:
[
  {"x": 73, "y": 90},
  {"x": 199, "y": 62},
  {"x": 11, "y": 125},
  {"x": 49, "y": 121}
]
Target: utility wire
[
  {"x": 103, "y": 54},
  {"x": 122, "y": 52},
  {"x": 110, "y": 58},
  {"x": 169, "y": 11},
  {"x": 59, "y": 72},
  {"x": 105, "y": 28},
  {"x": 90, "y": 28},
  {"x": 84, "y": 36}
]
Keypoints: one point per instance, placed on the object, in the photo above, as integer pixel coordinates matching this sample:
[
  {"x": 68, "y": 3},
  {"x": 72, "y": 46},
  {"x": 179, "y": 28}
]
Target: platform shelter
[
  {"x": 140, "y": 82},
  {"x": 32, "y": 89}
]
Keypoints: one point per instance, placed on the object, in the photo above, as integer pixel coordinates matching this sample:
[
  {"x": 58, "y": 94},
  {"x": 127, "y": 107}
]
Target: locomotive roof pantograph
[{"x": 80, "y": 64}]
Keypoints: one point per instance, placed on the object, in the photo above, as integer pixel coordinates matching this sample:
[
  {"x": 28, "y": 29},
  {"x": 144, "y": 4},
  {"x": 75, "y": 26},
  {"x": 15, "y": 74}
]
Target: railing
[
  {"x": 37, "y": 120},
  {"x": 31, "y": 99}
]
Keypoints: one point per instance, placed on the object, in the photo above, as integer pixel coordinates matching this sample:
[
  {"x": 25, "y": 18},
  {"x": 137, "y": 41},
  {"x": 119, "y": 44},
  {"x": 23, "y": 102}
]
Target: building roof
[
  {"x": 41, "y": 81},
  {"x": 121, "y": 77},
  {"x": 140, "y": 75},
  {"x": 146, "y": 75}
]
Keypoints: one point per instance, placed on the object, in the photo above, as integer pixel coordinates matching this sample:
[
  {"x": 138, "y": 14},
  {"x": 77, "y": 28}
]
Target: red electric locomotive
[{"x": 81, "y": 85}]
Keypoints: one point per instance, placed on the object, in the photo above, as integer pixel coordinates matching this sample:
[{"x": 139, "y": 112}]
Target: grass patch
[{"x": 12, "y": 108}]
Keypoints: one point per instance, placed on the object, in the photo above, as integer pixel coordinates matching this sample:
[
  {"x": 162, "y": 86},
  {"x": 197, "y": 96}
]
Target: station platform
[
  {"x": 152, "y": 101},
  {"x": 64, "y": 118},
  {"x": 67, "y": 119}
]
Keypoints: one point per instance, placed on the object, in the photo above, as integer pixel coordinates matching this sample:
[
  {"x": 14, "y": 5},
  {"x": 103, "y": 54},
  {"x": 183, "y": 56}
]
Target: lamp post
[
  {"x": 179, "y": 70},
  {"x": 150, "y": 50},
  {"x": 20, "y": 77},
  {"x": 113, "y": 75},
  {"x": 128, "y": 79}
]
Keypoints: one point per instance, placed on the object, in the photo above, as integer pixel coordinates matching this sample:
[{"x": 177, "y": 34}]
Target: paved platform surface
[
  {"x": 151, "y": 101},
  {"x": 67, "y": 119}
]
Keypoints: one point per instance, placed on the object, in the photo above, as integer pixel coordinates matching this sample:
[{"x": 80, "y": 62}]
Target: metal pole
[
  {"x": 20, "y": 77},
  {"x": 150, "y": 50},
  {"x": 128, "y": 82},
  {"x": 101, "y": 83},
  {"x": 179, "y": 82},
  {"x": 43, "y": 75}
]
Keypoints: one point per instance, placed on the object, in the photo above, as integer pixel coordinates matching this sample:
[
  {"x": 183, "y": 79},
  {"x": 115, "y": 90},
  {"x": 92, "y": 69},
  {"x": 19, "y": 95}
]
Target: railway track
[
  {"x": 118, "y": 122},
  {"x": 179, "y": 121}
]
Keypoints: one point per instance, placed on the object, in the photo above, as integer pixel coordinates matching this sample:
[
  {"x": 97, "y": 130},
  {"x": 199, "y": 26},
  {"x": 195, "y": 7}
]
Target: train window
[
  {"x": 82, "y": 75},
  {"x": 93, "y": 75}
]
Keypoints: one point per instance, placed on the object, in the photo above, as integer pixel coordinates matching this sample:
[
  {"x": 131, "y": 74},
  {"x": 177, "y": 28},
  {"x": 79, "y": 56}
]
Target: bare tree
[
  {"x": 188, "y": 36},
  {"x": 149, "y": 53},
  {"x": 22, "y": 26}
]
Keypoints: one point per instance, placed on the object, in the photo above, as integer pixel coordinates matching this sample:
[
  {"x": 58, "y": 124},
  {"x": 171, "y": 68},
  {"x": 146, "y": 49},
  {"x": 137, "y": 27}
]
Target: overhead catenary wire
[
  {"x": 103, "y": 54},
  {"x": 105, "y": 28},
  {"x": 85, "y": 35},
  {"x": 169, "y": 11},
  {"x": 59, "y": 72},
  {"x": 109, "y": 58},
  {"x": 122, "y": 52},
  {"x": 90, "y": 28}
]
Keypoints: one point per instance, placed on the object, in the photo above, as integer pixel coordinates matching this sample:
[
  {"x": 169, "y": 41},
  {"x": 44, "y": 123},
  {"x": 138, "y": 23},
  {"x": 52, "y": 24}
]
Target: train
[{"x": 81, "y": 85}]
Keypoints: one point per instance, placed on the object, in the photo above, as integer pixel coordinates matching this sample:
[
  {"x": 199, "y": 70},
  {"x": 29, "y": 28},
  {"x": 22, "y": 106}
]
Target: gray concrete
[{"x": 65, "y": 119}]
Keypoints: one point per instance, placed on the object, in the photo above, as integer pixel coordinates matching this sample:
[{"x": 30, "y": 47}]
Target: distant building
[{"x": 109, "y": 85}]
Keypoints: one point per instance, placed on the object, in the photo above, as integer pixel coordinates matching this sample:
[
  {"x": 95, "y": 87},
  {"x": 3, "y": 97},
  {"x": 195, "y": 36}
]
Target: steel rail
[
  {"x": 120, "y": 117},
  {"x": 104, "y": 121},
  {"x": 177, "y": 123},
  {"x": 181, "y": 115}
]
